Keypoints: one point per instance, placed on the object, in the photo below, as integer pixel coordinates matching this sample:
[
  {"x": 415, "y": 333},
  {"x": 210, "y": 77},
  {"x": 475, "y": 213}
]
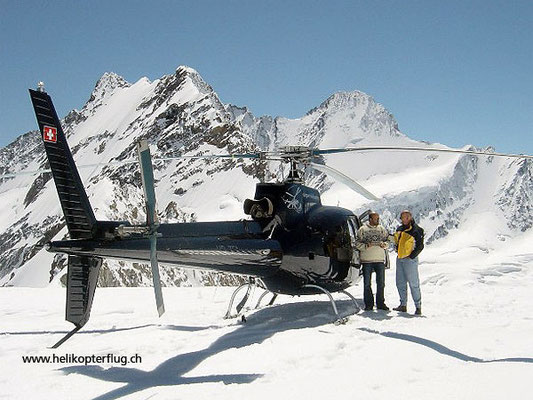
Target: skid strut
[
  {"x": 353, "y": 299},
  {"x": 339, "y": 320},
  {"x": 250, "y": 285},
  {"x": 274, "y": 297}
]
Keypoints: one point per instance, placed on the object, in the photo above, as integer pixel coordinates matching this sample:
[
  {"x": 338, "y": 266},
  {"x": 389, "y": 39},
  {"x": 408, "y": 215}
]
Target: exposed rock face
[{"x": 515, "y": 196}]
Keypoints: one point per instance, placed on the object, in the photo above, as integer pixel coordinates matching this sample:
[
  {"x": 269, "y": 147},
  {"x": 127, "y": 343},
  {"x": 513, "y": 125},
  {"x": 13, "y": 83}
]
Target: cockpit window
[{"x": 338, "y": 243}]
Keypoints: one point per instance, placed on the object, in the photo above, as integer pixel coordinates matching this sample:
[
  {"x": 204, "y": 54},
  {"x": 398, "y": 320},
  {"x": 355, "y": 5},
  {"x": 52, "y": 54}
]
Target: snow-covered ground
[{"x": 473, "y": 341}]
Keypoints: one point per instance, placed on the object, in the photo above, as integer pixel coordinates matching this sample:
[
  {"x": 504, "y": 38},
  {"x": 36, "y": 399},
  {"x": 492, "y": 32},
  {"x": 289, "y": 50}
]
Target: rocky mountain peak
[
  {"x": 344, "y": 100},
  {"x": 185, "y": 86},
  {"x": 184, "y": 74},
  {"x": 108, "y": 82},
  {"x": 358, "y": 113},
  {"x": 104, "y": 88}
]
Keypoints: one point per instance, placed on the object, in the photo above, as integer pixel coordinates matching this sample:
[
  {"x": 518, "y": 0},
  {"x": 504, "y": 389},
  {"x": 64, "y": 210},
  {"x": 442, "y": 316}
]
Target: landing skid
[{"x": 253, "y": 284}]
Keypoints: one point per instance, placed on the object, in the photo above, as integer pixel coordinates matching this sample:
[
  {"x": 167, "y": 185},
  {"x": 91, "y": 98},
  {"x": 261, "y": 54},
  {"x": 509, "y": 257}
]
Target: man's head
[
  {"x": 373, "y": 218},
  {"x": 406, "y": 217}
]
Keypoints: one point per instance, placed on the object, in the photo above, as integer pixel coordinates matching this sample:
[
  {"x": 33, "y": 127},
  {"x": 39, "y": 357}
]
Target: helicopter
[{"x": 292, "y": 245}]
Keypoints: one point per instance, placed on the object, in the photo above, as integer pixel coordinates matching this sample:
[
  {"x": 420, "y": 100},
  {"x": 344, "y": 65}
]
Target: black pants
[{"x": 379, "y": 269}]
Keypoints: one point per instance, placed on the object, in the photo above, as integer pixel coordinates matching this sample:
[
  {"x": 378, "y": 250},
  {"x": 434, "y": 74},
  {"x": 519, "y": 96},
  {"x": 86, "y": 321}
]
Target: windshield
[{"x": 352, "y": 229}]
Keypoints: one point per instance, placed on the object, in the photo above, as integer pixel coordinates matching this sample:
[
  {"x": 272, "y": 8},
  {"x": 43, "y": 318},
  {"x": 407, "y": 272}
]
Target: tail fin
[
  {"x": 82, "y": 278},
  {"x": 81, "y": 223},
  {"x": 79, "y": 215}
]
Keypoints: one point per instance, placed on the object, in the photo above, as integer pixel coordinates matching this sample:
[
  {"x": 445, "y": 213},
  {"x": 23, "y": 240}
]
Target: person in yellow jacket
[
  {"x": 372, "y": 243},
  {"x": 409, "y": 241}
]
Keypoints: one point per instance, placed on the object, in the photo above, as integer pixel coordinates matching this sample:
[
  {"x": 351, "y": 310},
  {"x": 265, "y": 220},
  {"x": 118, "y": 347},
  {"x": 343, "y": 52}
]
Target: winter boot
[
  {"x": 418, "y": 311},
  {"x": 383, "y": 307},
  {"x": 400, "y": 308}
]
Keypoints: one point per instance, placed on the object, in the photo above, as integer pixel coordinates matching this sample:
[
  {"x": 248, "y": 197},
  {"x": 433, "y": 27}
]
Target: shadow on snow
[
  {"x": 261, "y": 325},
  {"x": 443, "y": 349}
]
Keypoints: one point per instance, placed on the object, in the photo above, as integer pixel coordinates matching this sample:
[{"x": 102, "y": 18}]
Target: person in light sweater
[{"x": 372, "y": 242}]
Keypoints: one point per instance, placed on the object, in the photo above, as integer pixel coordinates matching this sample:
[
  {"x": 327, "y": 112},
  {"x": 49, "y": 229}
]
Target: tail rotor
[{"x": 152, "y": 221}]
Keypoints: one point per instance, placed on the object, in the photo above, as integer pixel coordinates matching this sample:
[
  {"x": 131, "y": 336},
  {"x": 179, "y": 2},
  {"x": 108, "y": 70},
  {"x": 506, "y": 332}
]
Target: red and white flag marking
[{"x": 50, "y": 134}]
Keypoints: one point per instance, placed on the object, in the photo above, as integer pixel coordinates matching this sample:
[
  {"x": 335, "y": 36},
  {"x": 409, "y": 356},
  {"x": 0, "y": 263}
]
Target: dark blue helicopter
[{"x": 292, "y": 245}]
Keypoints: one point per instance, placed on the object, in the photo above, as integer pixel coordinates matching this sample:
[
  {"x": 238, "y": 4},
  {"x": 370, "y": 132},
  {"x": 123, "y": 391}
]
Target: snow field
[{"x": 473, "y": 341}]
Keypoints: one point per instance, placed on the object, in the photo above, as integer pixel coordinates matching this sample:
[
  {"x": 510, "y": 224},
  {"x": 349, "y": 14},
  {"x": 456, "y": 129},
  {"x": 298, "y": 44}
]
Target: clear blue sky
[{"x": 455, "y": 72}]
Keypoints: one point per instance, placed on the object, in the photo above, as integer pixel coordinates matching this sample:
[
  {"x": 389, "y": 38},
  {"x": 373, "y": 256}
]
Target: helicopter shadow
[
  {"x": 261, "y": 325},
  {"x": 439, "y": 348}
]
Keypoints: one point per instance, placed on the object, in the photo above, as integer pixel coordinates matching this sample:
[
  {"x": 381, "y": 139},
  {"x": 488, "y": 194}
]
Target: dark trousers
[{"x": 379, "y": 269}]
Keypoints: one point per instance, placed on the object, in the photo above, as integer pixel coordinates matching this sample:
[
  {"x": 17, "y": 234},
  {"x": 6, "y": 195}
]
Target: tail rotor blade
[
  {"x": 155, "y": 275},
  {"x": 344, "y": 179},
  {"x": 147, "y": 173}
]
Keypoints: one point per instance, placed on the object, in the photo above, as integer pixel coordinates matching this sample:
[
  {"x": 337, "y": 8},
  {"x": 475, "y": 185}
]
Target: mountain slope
[{"x": 180, "y": 114}]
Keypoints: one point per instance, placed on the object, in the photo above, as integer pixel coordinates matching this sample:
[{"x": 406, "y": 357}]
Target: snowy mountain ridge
[{"x": 181, "y": 114}]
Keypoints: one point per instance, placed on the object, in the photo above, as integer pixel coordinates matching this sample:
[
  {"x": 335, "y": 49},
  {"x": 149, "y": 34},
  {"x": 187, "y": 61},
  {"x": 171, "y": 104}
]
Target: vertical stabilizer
[
  {"x": 79, "y": 215},
  {"x": 82, "y": 277}
]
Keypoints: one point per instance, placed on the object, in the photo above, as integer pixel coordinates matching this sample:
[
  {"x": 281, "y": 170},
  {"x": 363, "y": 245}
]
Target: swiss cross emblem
[{"x": 50, "y": 134}]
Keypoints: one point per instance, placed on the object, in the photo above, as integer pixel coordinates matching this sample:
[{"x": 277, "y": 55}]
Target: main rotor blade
[
  {"x": 343, "y": 179},
  {"x": 38, "y": 171},
  {"x": 427, "y": 149},
  {"x": 245, "y": 155},
  {"x": 126, "y": 162}
]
